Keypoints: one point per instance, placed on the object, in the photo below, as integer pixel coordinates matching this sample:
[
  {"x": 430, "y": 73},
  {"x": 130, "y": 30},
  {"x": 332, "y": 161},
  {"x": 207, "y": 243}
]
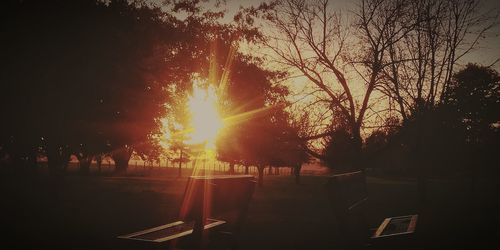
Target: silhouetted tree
[
  {"x": 340, "y": 151},
  {"x": 247, "y": 104},
  {"x": 289, "y": 150},
  {"x": 456, "y": 136},
  {"x": 311, "y": 38},
  {"x": 422, "y": 64},
  {"x": 474, "y": 95},
  {"x": 374, "y": 145},
  {"x": 473, "y": 100},
  {"x": 180, "y": 152},
  {"x": 86, "y": 73},
  {"x": 380, "y": 149},
  {"x": 95, "y": 76}
]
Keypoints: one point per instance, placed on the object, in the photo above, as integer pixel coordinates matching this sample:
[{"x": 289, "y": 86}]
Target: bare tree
[
  {"x": 422, "y": 63},
  {"x": 319, "y": 43}
]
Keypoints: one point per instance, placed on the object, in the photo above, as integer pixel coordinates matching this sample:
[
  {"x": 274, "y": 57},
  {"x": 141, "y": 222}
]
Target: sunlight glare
[{"x": 205, "y": 119}]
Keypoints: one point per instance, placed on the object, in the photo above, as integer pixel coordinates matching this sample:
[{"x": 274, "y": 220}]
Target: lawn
[{"x": 88, "y": 212}]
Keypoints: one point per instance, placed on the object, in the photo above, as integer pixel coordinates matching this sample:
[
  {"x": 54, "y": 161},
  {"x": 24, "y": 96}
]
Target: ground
[{"x": 88, "y": 212}]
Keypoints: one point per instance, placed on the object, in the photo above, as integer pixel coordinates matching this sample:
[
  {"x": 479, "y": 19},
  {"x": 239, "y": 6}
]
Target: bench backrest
[
  {"x": 347, "y": 190},
  {"x": 347, "y": 193}
]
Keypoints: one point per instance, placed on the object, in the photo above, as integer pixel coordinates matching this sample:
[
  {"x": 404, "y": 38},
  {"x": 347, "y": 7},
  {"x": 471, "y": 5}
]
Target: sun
[
  {"x": 204, "y": 124},
  {"x": 205, "y": 119}
]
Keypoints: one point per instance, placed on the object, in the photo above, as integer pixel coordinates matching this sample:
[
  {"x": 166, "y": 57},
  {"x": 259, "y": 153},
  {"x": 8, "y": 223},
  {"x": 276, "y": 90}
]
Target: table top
[
  {"x": 399, "y": 225},
  {"x": 169, "y": 231}
]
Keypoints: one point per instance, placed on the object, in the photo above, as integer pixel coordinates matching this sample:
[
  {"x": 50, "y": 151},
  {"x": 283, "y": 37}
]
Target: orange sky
[{"x": 489, "y": 48}]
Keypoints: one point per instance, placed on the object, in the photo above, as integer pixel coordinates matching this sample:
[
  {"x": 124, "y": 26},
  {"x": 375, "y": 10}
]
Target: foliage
[
  {"x": 474, "y": 96},
  {"x": 458, "y": 136},
  {"x": 257, "y": 128},
  {"x": 245, "y": 112},
  {"x": 96, "y": 76},
  {"x": 406, "y": 51},
  {"x": 341, "y": 151},
  {"x": 312, "y": 39}
]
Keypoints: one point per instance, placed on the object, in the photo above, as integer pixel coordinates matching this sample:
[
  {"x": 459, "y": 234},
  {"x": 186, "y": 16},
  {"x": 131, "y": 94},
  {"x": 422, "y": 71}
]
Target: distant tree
[
  {"x": 474, "y": 95},
  {"x": 380, "y": 146},
  {"x": 463, "y": 126},
  {"x": 84, "y": 159},
  {"x": 375, "y": 142},
  {"x": 289, "y": 150},
  {"x": 340, "y": 152},
  {"x": 248, "y": 104},
  {"x": 474, "y": 102},
  {"x": 180, "y": 152}
]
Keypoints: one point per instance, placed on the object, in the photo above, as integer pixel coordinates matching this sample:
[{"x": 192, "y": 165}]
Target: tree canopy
[{"x": 95, "y": 77}]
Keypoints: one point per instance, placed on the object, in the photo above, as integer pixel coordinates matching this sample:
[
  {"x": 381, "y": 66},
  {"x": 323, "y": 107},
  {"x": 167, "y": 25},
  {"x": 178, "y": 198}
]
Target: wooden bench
[
  {"x": 211, "y": 215},
  {"x": 348, "y": 196}
]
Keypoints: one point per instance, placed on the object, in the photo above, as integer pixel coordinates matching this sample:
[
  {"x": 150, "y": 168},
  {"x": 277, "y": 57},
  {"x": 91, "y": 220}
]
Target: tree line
[
  {"x": 94, "y": 78},
  {"x": 377, "y": 68}
]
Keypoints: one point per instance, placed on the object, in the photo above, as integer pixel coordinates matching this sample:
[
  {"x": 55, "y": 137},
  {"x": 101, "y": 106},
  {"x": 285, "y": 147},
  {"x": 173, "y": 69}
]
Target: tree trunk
[
  {"x": 121, "y": 158},
  {"x": 261, "y": 168},
  {"x": 296, "y": 172},
  {"x": 179, "y": 173},
  {"x": 57, "y": 160},
  {"x": 33, "y": 164},
  {"x": 98, "y": 160},
  {"x": 358, "y": 143},
  {"x": 121, "y": 164},
  {"x": 420, "y": 161},
  {"x": 472, "y": 169},
  {"x": 84, "y": 163}
]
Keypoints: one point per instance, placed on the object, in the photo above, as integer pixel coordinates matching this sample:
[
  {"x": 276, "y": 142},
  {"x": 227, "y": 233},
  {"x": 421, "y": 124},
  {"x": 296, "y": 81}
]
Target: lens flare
[{"x": 205, "y": 119}]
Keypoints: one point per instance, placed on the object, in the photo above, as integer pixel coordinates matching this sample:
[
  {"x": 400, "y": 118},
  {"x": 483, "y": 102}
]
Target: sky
[
  {"x": 489, "y": 49},
  {"x": 487, "y": 52}
]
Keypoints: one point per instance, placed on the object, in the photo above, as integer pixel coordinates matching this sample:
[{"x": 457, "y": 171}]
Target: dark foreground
[{"x": 88, "y": 212}]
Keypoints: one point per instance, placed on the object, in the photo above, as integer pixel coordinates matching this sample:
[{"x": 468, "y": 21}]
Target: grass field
[{"x": 88, "y": 212}]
